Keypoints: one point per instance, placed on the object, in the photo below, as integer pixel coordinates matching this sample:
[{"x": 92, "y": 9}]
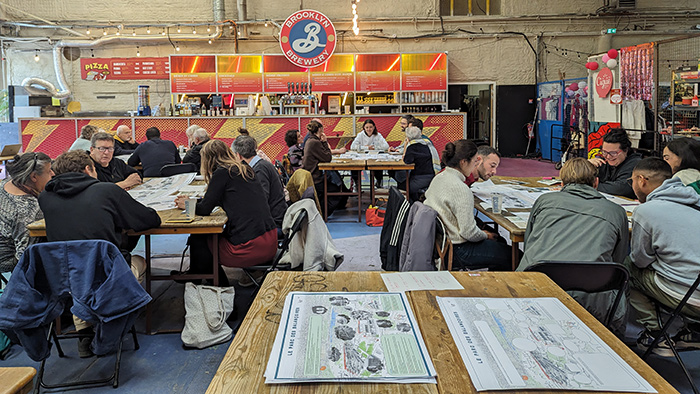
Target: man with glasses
[
  {"x": 615, "y": 163},
  {"x": 664, "y": 255},
  {"x": 109, "y": 168}
]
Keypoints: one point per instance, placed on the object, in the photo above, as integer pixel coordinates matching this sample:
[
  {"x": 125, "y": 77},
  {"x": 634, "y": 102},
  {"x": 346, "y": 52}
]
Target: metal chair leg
[{"x": 136, "y": 340}]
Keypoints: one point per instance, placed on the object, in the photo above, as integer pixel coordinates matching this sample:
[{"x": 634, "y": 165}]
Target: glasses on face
[
  {"x": 104, "y": 149},
  {"x": 612, "y": 154}
]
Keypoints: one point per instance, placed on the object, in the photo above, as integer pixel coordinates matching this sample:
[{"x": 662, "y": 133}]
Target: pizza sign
[
  {"x": 307, "y": 38},
  {"x": 603, "y": 82}
]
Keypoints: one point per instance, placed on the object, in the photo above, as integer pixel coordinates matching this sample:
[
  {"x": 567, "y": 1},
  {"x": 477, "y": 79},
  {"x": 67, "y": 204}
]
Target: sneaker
[
  {"x": 84, "y": 350},
  {"x": 661, "y": 349},
  {"x": 687, "y": 340}
]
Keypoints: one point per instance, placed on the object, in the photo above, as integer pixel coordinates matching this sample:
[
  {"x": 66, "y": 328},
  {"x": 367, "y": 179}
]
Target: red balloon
[
  {"x": 592, "y": 66},
  {"x": 612, "y": 54}
]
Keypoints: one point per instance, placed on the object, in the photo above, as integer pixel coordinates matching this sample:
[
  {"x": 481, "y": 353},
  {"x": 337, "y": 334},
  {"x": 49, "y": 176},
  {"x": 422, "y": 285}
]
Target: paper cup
[{"x": 190, "y": 205}]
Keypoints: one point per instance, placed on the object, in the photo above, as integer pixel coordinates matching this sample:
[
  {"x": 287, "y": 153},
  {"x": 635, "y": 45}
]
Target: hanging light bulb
[
  {"x": 163, "y": 32},
  {"x": 92, "y": 53},
  {"x": 210, "y": 40},
  {"x": 87, "y": 31},
  {"x": 133, "y": 33},
  {"x": 118, "y": 31},
  {"x": 177, "y": 47},
  {"x": 36, "y": 55},
  {"x": 148, "y": 30},
  {"x": 355, "y": 28},
  {"x": 208, "y": 29},
  {"x": 230, "y": 26},
  {"x": 265, "y": 23},
  {"x": 104, "y": 32},
  {"x": 194, "y": 30},
  {"x": 178, "y": 29},
  {"x": 138, "y": 52}
]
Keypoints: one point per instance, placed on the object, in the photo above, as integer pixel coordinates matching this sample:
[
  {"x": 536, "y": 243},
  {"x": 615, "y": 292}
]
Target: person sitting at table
[
  {"x": 615, "y": 163},
  {"x": 265, "y": 173},
  {"x": 154, "y": 153},
  {"x": 108, "y": 167},
  {"x": 193, "y": 155},
  {"x": 401, "y": 175},
  {"x": 77, "y": 206},
  {"x": 124, "y": 143},
  {"x": 83, "y": 142},
  {"x": 316, "y": 150},
  {"x": 404, "y": 121},
  {"x": 664, "y": 256},
  {"x": 558, "y": 222},
  {"x": 683, "y": 155},
  {"x": 243, "y": 131},
  {"x": 296, "y": 150},
  {"x": 250, "y": 235},
  {"x": 454, "y": 202},
  {"x": 417, "y": 153},
  {"x": 28, "y": 174},
  {"x": 189, "y": 132},
  {"x": 337, "y": 151},
  {"x": 370, "y": 139},
  {"x": 490, "y": 159}
]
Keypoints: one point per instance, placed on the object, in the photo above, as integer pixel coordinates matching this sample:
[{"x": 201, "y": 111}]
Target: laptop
[{"x": 11, "y": 149}]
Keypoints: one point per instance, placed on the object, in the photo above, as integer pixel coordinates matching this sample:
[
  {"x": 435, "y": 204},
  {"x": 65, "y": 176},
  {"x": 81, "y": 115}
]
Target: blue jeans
[{"x": 489, "y": 254}]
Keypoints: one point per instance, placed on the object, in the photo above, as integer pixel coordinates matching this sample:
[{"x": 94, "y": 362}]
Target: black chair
[
  {"x": 284, "y": 175},
  {"x": 175, "y": 169},
  {"x": 663, "y": 334},
  {"x": 587, "y": 276},
  {"x": 274, "y": 265}
]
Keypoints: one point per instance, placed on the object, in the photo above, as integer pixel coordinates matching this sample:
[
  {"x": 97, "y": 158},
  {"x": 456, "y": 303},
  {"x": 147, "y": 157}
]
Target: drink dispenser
[{"x": 144, "y": 100}]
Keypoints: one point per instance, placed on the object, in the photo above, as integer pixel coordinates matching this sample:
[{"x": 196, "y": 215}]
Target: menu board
[
  {"x": 423, "y": 71},
  {"x": 336, "y": 75},
  {"x": 377, "y": 72},
  {"x": 193, "y": 74},
  {"x": 98, "y": 69},
  {"x": 239, "y": 74},
  {"x": 279, "y": 72}
]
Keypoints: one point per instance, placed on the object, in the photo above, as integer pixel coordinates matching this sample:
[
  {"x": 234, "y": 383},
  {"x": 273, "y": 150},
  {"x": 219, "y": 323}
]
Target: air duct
[{"x": 38, "y": 86}]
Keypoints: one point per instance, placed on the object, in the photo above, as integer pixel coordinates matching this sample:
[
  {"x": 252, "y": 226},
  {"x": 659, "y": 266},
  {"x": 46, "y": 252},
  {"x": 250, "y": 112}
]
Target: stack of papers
[
  {"x": 348, "y": 337},
  {"x": 158, "y": 193},
  {"x": 421, "y": 280}
]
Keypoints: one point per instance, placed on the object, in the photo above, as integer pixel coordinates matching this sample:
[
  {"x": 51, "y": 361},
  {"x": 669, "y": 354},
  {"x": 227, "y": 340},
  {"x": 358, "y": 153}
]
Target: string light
[
  {"x": 194, "y": 30},
  {"x": 266, "y": 23},
  {"x": 104, "y": 32},
  {"x": 36, "y": 55},
  {"x": 138, "y": 52},
  {"x": 208, "y": 29},
  {"x": 92, "y": 53},
  {"x": 177, "y": 47},
  {"x": 178, "y": 29},
  {"x": 355, "y": 29},
  {"x": 87, "y": 31},
  {"x": 210, "y": 40},
  {"x": 148, "y": 30},
  {"x": 118, "y": 31},
  {"x": 163, "y": 32},
  {"x": 133, "y": 33}
]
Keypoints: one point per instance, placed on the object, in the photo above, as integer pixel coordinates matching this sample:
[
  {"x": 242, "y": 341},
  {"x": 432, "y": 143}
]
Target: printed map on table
[
  {"x": 533, "y": 343},
  {"x": 348, "y": 337},
  {"x": 158, "y": 193}
]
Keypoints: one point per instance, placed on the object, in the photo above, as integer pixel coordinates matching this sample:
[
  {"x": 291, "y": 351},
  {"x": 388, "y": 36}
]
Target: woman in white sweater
[
  {"x": 370, "y": 139},
  {"x": 454, "y": 202}
]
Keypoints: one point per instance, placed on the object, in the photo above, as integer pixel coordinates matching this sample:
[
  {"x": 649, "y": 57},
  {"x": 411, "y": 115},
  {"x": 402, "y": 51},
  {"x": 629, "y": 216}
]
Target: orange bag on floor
[{"x": 374, "y": 216}]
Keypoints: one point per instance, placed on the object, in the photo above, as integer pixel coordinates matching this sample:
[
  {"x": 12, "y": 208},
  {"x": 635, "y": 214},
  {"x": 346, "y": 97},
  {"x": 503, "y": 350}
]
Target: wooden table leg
[
  {"x": 147, "y": 241},
  {"x": 515, "y": 254},
  {"x": 359, "y": 195},
  {"x": 371, "y": 188}
]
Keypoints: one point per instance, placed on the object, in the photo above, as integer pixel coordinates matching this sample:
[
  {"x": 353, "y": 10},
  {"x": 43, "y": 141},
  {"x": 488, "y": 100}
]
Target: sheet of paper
[
  {"x": 158, "y": 193},
  {"x": 533, "y": 343},
  {"x": 349, "y": 337},
  {"x": 617, "y": 200},
  {"x": 421, "y": 280},
  {"x": 549, "y": 182}
]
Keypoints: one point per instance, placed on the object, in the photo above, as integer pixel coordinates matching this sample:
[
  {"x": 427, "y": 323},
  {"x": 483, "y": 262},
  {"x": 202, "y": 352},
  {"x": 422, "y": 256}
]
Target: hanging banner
[{"x": 307, "y": 38}]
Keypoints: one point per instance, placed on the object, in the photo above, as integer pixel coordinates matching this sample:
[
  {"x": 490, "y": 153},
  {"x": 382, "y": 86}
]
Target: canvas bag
[
  {"x": 374, "y": 216},
  {"x": 206, "y": 310}
]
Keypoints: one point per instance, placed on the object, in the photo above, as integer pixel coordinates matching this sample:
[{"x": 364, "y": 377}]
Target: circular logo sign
[
  {"x": 307, "y": 38},
  {"x": 603, "y": 82}
]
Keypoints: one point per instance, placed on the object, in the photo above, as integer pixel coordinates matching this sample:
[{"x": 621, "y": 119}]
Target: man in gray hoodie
[{"x": 664, "y": 259}]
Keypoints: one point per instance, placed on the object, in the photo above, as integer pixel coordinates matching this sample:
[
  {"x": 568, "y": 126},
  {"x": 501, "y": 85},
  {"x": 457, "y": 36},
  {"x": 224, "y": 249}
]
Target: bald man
[{"x": 124, "y": 143}]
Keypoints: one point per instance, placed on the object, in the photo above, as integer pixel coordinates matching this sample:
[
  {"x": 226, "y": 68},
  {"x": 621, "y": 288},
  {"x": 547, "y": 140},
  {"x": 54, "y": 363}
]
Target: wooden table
[
  {"x": 517, "y": 234},
  {"x": 17, "y": 380},
  {"x": 242, "y": 368},
  {"x": 213, "y": 224},
  {"x": 343, "y": 165}
]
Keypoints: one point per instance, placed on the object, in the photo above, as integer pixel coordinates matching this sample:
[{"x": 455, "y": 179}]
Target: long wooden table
[
  {"x": 359, "y": 165},
  {"x": 17, "y": 380},
  {"x": 212, "y": 224},
  {"x": 243, "y": 367}
]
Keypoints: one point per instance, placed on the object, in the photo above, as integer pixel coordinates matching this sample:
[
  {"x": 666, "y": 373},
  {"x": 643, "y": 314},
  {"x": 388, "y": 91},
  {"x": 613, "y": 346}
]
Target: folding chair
[
  {"x": 284, "y": 175},
  {"x": 587, "y": 276},
  {"x": 281, "y": 250},
  {"x": 663, "y": 334},
  {"x": 175, "y": 169}
]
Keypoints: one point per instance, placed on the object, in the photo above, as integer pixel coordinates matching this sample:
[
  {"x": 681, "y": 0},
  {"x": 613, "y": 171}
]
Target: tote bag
[{"x": 206, "y": 310}]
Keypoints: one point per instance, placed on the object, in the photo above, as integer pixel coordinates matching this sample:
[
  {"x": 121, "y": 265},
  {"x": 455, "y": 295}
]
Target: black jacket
[
  {"x": 394, "y": 226},
  {"x": 77, "y": 207},
  {"x": 194, "y": 155},
  {"x": 154, "y": 154},
  {"x": 269, "y": 178},
  {"x": 124, "y": 148},
  {"x": 116, "y": 171},
  {"x": 244, "y": 203},
  {"x": 613, "y": 180}
]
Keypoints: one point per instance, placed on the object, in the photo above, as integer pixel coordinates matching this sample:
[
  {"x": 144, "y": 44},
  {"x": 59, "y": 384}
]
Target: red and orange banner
[{"x": 98, "y": 69}]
